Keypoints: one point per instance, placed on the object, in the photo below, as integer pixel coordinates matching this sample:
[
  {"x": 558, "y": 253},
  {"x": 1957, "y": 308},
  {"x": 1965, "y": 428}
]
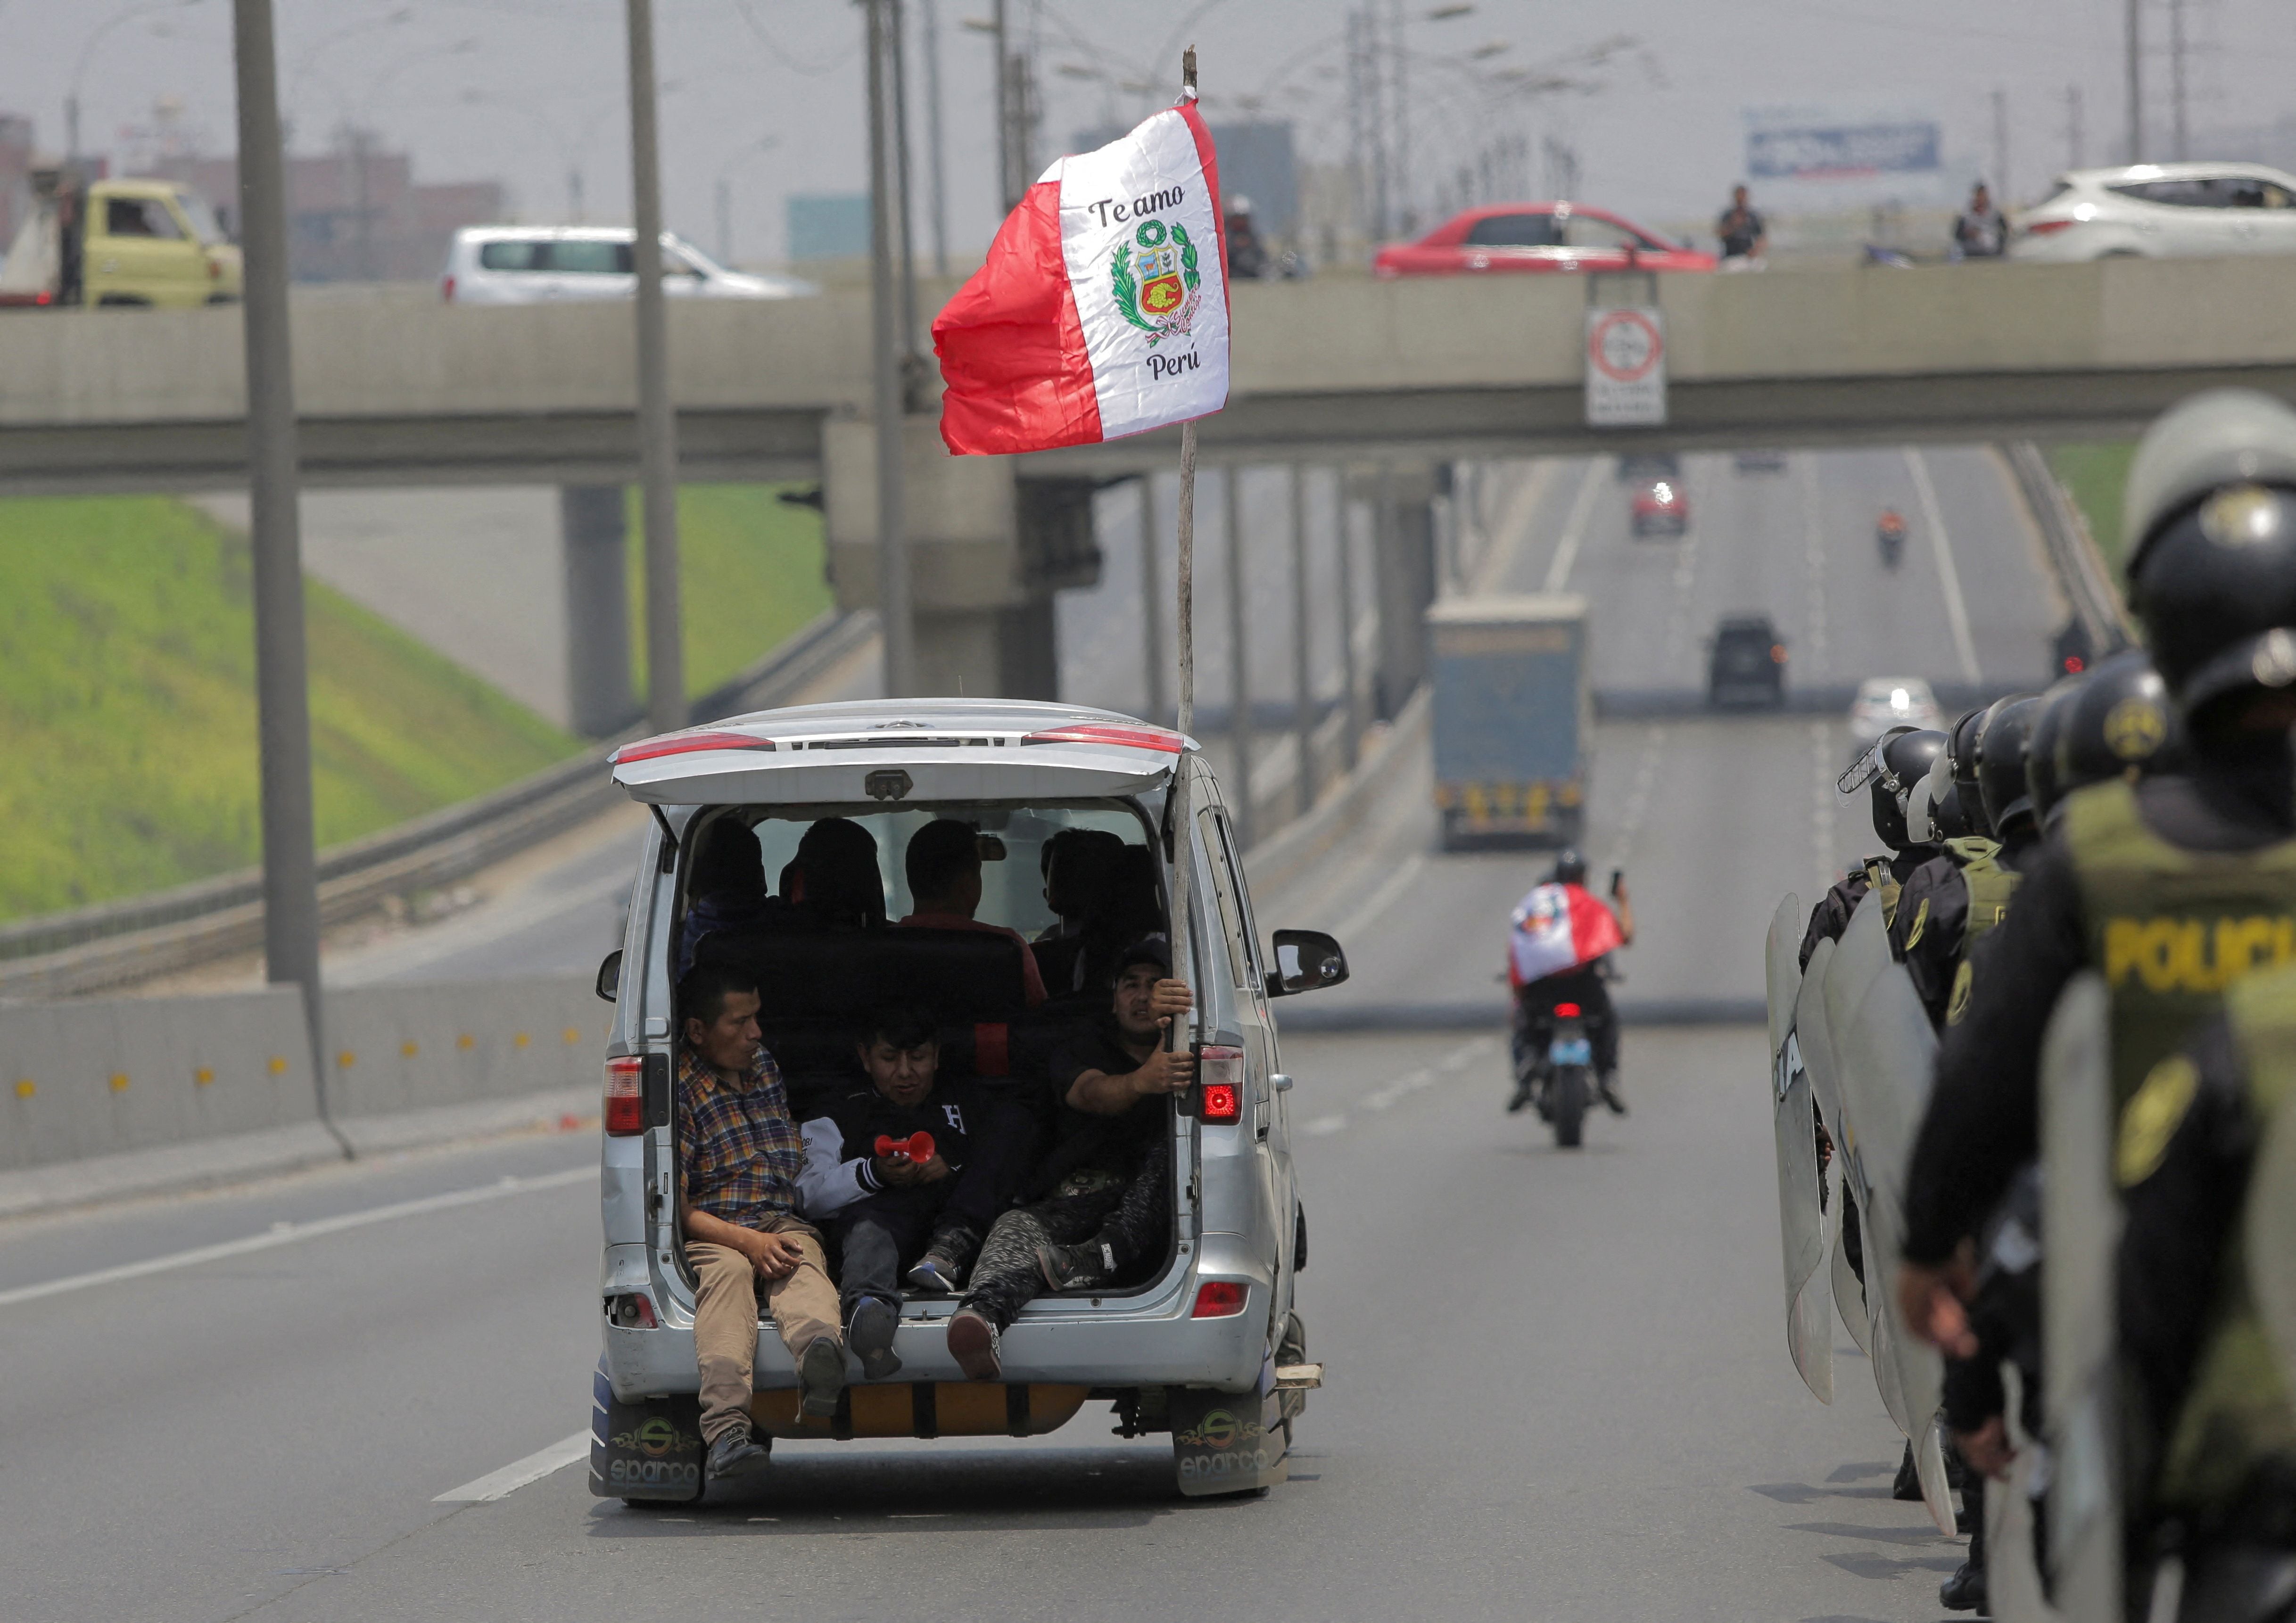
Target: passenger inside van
[
  {"x": 1100, "y": 1204},
  {"x": 943, "y": 867},
  {"x": 727, "y": 887},
  {"x": 1080, "y": 872},
  {"x": 907, "y": 1171},
  {"x": 834, "y": 879}
]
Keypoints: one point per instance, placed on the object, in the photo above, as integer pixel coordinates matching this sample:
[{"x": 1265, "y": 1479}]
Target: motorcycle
[
  {"x": 1554, "y": 1069},
  {"x": 1889, "y": 534}
]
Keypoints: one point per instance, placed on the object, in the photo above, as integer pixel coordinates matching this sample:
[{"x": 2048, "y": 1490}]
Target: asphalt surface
[{"x": 1557, "y": 1383}]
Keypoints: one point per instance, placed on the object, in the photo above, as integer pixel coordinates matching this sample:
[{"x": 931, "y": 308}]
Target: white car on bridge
[
  {"x": 558, "y": 263},
  {"x": 2160, "y": 210},
  {"x": 1884, "y": 702}
]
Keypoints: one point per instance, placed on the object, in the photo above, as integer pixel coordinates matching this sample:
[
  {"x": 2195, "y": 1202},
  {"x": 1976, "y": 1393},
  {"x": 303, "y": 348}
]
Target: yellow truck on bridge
[{"x": 123, "y": 242}]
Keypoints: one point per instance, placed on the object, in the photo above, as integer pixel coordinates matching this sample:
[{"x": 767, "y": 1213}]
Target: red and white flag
[
  {"x": 1557, "y": 928},
  {"x": 1102, "y": 308}
]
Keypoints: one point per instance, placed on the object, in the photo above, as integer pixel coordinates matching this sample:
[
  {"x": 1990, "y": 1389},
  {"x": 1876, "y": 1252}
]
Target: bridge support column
[
  {"x": 593, "y": 539},
  {"x": 986, "y": 550},
  {"x": 1403, "y": 563}
]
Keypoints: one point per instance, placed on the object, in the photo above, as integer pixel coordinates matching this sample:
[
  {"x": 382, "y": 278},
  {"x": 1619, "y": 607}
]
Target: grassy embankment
[
  {"x": 127, "y": 677},
  {"x": 2095, "y": 474}
]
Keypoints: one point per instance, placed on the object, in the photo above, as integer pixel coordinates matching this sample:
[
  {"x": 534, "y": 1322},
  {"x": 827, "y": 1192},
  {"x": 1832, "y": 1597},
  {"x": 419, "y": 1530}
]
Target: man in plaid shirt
[{"x": 740, "y": 1156}]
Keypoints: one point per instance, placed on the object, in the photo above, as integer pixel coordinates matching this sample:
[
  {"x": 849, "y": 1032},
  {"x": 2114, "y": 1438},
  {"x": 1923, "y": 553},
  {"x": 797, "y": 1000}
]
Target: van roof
[
  {"x": 897, "y": 749},
  {"x": 1507, "y": 611}
]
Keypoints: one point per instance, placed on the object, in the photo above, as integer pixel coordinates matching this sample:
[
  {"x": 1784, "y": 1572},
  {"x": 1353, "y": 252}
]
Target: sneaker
[
  {"x": 1607, "y": 1085},
  {"x": 1077, "y": 1267},
  {"x": 737, "y": 1454},
  {"x": 870, "y": 1334},
  {"x": 1523, "y": 1090},
  {"x": 942, "y": 1268},
  {"x": 972, "y": 1343},
  {"x": 1964, "y": 1591},
  {"x": 1908, "y": 1485},
  {"x": 821, "y": 1371}
]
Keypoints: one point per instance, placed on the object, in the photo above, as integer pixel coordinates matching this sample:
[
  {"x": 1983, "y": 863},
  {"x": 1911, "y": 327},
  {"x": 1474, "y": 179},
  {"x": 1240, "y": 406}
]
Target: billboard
[{"x": 1802, "y": 146}]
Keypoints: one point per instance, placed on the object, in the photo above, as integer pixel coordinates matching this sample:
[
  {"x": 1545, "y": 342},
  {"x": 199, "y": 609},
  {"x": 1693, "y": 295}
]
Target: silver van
[{"x": 1209, "y": 1347}]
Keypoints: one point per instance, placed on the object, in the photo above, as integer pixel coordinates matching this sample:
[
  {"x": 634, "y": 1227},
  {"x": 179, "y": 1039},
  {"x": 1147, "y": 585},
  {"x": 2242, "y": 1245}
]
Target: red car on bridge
[{"x": 1522, "y": 237}]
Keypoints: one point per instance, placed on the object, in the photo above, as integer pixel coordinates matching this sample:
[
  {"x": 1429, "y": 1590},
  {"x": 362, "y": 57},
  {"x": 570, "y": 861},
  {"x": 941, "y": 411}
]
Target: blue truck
[{"x": 1512, "y": 721}]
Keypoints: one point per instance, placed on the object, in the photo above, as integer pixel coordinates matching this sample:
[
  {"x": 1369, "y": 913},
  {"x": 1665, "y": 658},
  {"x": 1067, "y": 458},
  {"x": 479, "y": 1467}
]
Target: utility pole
[
  {"x": 1151, "y": 601},
  {"x": 1375, "y": 108},
  {"x": 933, "y": 136},
  {"x": 1239, "y": 715},
  {"x": 1351, "y": 732},
  {"x": 898, "y": 629},
  {"x": 665, "y": 707},
  {"x": 2132, "y": 50},
  {"x": 2001, "y": 149},
  {"x": 2076, "y": 142},
  {"x": 1357, "y": 180},
  {"x": 1303, "y": 689},
  {"x": 283, "y": 702},
  {"x": 899, "y": 30},
  {"x": 1407, "y": 216},
  {"x": 2176, "y": 53}
]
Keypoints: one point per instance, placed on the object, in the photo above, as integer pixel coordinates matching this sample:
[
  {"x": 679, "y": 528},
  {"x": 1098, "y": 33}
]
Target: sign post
[{"x": 1626, "y": 358}]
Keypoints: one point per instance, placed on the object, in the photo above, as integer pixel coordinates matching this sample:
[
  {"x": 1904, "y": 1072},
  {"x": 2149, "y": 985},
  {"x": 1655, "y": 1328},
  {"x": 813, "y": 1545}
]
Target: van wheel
[{"x": 1292, "y": 1346}]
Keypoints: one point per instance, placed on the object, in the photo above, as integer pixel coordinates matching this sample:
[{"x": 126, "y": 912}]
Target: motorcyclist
[
  {"x": 2173, "y": 887},
  {"x": 1890, "y": 532},
  {"x": 1901, "y": 758},
  {"x": 1560, "y": 922}
]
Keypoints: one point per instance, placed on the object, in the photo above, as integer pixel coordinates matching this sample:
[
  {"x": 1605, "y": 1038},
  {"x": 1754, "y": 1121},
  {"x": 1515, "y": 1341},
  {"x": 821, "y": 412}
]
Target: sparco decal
[
  {"x": 655, "y": 1437},
  {"x": 1220, "y": 1428},
  {"x": 1195, "y": 1467},
  {"x": 653, "y": 1473}
]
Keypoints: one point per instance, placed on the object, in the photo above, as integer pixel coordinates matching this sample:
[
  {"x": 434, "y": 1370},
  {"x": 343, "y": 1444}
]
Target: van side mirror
[
  {"x": 610, "y": 975},
  {"x": 1305, "y": 960}
]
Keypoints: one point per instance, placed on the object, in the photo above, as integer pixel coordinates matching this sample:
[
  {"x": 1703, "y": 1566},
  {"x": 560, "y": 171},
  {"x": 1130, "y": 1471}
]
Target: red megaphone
[{"x": 916, "y": 1147}]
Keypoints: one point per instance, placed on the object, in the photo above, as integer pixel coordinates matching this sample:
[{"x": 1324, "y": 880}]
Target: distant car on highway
[
  {"x": 1504, "y": 238},
  {"x": 1884, "y": 702},
  {"x": 1642, "y": 466},
  {"x": 1748, "y": 663},
  {"x": 1660, "y": 508},
  {"x": 1761, "y": 459},
  {"x": 564, "y": 263},
  {"x": 2159, "y": 211}
]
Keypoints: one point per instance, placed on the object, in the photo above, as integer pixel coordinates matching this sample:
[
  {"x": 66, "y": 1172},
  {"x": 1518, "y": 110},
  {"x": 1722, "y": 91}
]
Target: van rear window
[{"x": 567, "y": 257}]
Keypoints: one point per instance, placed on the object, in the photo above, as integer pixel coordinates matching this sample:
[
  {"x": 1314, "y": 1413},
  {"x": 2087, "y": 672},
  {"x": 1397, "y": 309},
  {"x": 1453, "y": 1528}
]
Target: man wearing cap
[{"x": 1102, "y": 1200}]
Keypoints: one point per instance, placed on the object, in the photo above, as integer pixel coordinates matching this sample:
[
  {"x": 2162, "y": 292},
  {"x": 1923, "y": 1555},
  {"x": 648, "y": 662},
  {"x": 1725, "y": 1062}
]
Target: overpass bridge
[{"x": 1340, "y": 369}]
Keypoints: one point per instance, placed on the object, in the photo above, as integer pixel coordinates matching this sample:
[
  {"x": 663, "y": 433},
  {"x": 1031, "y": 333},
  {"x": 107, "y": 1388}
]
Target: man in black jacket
[{"x": 906, "y": 1158}]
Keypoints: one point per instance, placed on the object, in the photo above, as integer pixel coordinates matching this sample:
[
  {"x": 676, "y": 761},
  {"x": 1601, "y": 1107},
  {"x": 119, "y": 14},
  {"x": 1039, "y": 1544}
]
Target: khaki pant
[{"x": 726, "y": 1317}]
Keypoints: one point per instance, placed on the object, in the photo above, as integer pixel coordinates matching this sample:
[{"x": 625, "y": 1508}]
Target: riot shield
[
  {"x": 1816, "y": 1046},
  {"x": 2271, "y": 1237},
  {"x": 2013, "y": 1589},
  {"x": 1884, "y": 1049},
  {"x": 2081, "y": 1226},
  {"x": 1802, "y": 1211}
]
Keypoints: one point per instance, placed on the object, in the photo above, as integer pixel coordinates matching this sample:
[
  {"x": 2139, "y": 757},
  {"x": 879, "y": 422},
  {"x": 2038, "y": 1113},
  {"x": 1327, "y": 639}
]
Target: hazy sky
[{"x": 522, "y": 90}]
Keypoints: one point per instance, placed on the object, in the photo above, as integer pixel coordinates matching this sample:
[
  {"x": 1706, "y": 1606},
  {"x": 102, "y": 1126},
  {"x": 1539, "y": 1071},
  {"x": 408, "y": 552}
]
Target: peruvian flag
[
  {"x": 1102, "y": 308},
  {"x": 1558, "y": 928}
]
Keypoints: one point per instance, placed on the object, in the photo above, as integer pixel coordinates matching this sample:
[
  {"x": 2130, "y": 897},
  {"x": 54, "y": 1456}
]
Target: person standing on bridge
[
  {"x": 1981, "y": 231},
  {"x": 1745, "y": 234}
]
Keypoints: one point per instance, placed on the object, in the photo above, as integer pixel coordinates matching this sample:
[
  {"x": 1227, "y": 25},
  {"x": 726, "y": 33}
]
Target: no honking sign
[{"x": 1626, "y": 366}]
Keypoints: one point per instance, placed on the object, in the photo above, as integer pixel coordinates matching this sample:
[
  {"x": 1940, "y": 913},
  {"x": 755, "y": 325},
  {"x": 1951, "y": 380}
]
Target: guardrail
[
  {"x": 2073, "y": 553},
  {"x": 113, "y": 943}
]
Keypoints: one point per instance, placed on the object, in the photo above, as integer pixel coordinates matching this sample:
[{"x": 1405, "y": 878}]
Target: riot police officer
[
  {"x": 2172, "y": 888},
  {"x": 1898, "y": 762}
]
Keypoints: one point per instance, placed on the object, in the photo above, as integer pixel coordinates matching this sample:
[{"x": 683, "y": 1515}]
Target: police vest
[
  {"x": 2236, "y": 1413},
  {"x": 1884, "y": 884},
  {"x": 1988, "y": 887},
  {"x": 2171, "y": 930}
]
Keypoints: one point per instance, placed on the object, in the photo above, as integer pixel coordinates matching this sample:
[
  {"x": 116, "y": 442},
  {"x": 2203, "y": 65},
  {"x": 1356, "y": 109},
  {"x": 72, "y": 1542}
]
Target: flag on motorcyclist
[
  {"x": 1101, "y": 310},
  {"x": 1559, "y": 926}
]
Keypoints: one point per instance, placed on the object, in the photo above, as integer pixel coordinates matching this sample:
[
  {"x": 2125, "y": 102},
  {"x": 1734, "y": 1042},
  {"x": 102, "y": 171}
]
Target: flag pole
[{"x": 1184, "y": 624}]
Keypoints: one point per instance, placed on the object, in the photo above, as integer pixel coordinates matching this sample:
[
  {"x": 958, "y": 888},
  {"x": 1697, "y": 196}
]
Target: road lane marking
[
  {"x": 501, "y": 1484},
  {"x": 1512, "y": 528},
  {"x": 1380, "y": 900},
  {"x": 1630, "y": 823},
  {"x": 1566, "y": 552},
  {"x": 288, "y": 1234},
  {"x": 1425, "y": 1076},
  {"x": 1956, "y": 613},
  {"x": 1325, "y": 1124}
]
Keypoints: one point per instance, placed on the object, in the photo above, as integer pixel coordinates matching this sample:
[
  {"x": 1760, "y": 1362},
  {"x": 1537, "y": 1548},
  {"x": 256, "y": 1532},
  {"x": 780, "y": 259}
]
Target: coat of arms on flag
[{"x": 1155, "y": 279}]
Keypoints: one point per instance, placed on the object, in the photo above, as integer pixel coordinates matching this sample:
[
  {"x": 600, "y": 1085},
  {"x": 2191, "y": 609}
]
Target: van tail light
[
  {"x": 1566, "y": 1010},
  {"x": 1219, "y": 1071},
  {"x": 2042, "y": 228},
  {"x": 624, "y": 1096},
  {"x": 685, "y": 743},
  {"x": 632, "y": 1312},
  {"x": 1218, "y": 1299},
  {"x": 1100, "y": 733},
  {"x": 447, "y": 289}
]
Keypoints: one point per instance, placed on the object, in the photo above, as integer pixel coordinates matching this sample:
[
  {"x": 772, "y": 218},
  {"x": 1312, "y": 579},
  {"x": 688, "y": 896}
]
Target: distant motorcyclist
[
  {"x": 1247, "y": 255},
  {"x": 1890, "y": 535},
  {"x": 1558, "y": 952},
  {"x": 2173, "y": 887},
  {"x": 1899, "y": 759}
]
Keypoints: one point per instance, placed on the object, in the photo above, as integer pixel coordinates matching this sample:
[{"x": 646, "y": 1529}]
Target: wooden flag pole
[{"x": 1182, "y": 935}]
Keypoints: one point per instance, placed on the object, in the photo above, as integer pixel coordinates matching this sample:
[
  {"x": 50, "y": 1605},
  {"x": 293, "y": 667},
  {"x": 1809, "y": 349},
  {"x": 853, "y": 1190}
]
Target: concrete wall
[{"x": 105, "y": 1077}]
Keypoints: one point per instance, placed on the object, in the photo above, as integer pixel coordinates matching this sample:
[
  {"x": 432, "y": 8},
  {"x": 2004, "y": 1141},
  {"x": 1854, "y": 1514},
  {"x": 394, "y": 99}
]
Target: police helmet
[
  {"x": 1950, "y": 814},
  {"x": 1963, "y": 752},
  {"x": 1898, "y": 762},
  {"x": 2001, "y": 760},
  {"x": 2119, "y": 722},
  {"x": 2210, "y": 533},
  {"x": 2041, "y": 743},
  {"x": 1570, "y": 867}
]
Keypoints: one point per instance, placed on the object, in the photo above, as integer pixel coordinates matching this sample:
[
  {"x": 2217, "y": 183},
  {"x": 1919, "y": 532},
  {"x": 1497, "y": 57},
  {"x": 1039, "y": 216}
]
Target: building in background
[
  {"x": 355, "y": 214},
  {"x": 15, "y": 174}
]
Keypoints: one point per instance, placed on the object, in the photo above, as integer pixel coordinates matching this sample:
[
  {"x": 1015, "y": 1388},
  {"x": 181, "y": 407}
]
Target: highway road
[{"x": 1557, "y": 1383}]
